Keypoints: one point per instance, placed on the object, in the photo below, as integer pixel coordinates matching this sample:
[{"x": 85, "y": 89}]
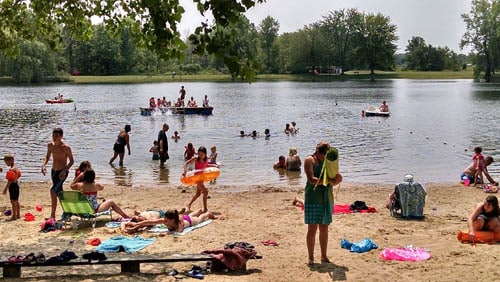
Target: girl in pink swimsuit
[
  {"x": 176, "y": 222},
  {"x": 200, "y": 163}
]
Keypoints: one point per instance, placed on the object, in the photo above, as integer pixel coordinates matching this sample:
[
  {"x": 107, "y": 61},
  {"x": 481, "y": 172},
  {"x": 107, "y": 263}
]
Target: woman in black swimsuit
[{"x": 121, "y": 142}]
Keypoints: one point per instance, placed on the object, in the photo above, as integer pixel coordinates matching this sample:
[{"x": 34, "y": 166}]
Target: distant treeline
[{"x": 341, "y": 41}]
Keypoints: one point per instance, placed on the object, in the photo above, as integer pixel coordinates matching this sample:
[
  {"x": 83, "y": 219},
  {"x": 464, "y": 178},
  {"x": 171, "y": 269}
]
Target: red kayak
[{"x": 59, "y": 101}]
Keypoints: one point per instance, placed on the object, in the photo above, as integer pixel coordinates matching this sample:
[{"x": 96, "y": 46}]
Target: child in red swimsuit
[{"x": 478, "y": 160}]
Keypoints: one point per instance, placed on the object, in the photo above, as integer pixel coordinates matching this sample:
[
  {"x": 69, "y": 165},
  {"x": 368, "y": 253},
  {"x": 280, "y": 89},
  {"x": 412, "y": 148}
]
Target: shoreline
[{"x": 256, "y": 216}]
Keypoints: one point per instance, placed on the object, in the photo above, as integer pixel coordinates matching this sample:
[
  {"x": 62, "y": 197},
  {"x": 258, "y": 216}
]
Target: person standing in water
[{"x": 121, "y": 142}]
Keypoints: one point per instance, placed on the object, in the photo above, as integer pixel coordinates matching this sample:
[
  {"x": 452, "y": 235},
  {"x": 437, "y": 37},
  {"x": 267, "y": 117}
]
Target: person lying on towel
[
  {"x": 175, "y": 221},
  {"x": 485, "y": 216}
]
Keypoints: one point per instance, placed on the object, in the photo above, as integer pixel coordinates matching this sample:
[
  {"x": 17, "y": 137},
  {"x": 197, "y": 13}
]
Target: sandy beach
[{"x": 263, "y": 213}]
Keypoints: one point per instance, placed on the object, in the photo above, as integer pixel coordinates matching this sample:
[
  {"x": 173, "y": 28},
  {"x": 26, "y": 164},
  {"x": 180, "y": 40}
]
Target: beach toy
[
  {"x": 204, "y": 175},
  {"x": 29, "y": 217},
  {"x": 7, "y": 212},
  {"x": 466, "y": 182},
  {"x": 10, "y": 175},
  {"x": 39, "y": 208}
]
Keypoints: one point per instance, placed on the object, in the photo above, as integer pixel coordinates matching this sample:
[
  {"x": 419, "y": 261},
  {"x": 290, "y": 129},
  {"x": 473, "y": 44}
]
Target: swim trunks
[
  {"x": 14, "y": 191},
  {"x": 57, "y": 184}
]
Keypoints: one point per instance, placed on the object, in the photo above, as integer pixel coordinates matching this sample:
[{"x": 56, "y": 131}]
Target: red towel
[{"x": 340, "y": 209}]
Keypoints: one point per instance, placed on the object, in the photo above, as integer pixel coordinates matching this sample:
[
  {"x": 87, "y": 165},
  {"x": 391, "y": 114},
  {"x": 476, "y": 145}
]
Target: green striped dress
[{"x": 318, "y": 202}]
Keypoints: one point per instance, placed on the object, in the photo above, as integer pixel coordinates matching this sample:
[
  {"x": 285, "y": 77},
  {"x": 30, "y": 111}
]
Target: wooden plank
[{"x": 130, "y": 264}]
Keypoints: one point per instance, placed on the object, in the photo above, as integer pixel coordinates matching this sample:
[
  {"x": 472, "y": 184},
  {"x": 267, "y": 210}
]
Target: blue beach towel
[
  {"x": 122, "y": 243},
  {"x": 362, "y": 246},
  {"x": 162, "y": 228}
]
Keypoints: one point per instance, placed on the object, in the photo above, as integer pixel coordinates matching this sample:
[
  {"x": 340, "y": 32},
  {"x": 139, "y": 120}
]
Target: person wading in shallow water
[
  {"x": 163, "y": 144},
  {"x": 122, "y": 141}
]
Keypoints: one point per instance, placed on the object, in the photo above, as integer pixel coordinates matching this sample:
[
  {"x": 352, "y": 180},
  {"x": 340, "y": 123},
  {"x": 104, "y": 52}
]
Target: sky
[{"x": 438, "y": 22}]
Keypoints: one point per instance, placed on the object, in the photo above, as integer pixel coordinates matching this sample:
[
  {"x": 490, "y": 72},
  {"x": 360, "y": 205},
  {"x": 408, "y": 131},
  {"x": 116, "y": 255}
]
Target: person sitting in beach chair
[
  {"x": 90, "y": 188},
  {"x": 408, "y": 199}
]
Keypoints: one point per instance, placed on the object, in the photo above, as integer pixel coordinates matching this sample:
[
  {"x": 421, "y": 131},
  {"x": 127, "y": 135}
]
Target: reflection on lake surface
[{"x": 431, "y": 131}]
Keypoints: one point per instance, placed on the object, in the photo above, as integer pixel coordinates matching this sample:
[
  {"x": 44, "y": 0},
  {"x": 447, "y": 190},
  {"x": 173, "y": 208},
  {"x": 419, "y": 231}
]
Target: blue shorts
[
  {"x": 465, "y": 176},
  {"x": 57, "y": 183}
]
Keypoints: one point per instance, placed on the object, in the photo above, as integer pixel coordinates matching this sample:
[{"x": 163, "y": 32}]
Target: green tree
[
  {"x": 482, "y": 35},
  {"x": 35, "y": 60},
  {"x": 416, "y": 54},
  {"x": 238, "y": 52},
  {"x": 154, "y": 23},
  {"x": 339, "y": 29},
  {"x": 268, "y": 30},
  {"x": 128, "y": 51},
  {"x": 376, "y": 42}
]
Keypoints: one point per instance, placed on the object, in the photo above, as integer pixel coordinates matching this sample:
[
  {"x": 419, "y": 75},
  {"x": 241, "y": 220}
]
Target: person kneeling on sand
[
  {"x": 485, "y": 216},
  {"x": 174, "y": 220}
]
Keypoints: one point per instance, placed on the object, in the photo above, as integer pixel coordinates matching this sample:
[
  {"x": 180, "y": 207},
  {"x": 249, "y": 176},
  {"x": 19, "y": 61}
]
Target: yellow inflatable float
[{"x": 205, "y": 175}]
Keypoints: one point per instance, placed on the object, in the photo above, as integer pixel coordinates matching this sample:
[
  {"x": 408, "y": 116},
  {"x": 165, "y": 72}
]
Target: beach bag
[
  {"x": 358, "y": 206},
  {"x": 408, "y": 200}
]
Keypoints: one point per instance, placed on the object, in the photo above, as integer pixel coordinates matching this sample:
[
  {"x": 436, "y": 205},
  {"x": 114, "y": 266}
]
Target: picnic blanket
[
  {"x": 126, "y": 244},
  {"x": 162, "y": 228}
]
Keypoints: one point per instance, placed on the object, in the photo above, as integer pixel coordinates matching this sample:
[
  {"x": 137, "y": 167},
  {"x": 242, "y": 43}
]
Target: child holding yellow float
[
  {"x": 200, "y": 163},
  {"x": 12, "y": 176}
]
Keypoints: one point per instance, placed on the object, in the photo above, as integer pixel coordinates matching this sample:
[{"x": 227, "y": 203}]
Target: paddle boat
[
  {"x": 178, "y": 110},
  {"x": 374, "y": 111},
  {"x": 59, "y": 101}
]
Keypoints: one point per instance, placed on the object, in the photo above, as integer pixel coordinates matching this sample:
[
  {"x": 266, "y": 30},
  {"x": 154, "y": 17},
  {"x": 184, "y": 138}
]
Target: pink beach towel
[{"x": 405, "y": 254}]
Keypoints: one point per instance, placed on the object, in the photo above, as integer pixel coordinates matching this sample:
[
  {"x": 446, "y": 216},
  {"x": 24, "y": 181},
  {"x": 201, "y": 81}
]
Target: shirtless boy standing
[{"x": 62, "y": 160}]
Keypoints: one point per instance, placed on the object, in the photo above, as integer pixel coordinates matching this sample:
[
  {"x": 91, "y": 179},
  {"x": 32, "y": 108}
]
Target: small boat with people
[
  {"x": 59, "y": 101},
  {"x": 163, "y": 106},
  {"x": 177, "y": 110},
  {"x": 374, "y": 111}
]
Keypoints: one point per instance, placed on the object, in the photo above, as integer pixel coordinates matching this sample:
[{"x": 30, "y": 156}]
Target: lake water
[{"x": 431, "y": 132}]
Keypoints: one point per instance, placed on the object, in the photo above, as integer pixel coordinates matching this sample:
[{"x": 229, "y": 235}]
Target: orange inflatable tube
[
  {"x": 480, "y": 237},
  {"x": 204, "y": 175}
]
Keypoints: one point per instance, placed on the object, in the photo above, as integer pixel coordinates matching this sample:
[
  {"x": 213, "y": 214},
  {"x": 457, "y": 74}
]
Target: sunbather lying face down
[{"x": 174, "y": 220}]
